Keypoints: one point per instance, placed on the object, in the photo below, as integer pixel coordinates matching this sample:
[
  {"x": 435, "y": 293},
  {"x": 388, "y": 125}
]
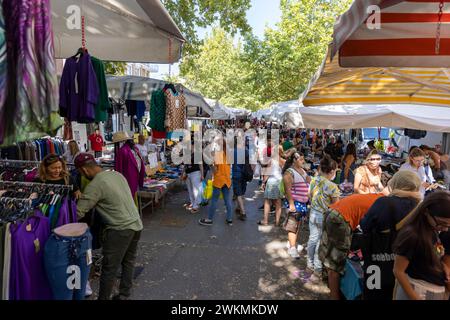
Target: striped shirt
[{"x": 300, "y": 187}]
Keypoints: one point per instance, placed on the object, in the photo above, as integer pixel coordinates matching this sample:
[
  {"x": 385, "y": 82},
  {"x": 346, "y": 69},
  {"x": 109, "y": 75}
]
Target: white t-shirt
[
  {"x": 142, "y": 150},
  {"x": 420, "y": 173}
]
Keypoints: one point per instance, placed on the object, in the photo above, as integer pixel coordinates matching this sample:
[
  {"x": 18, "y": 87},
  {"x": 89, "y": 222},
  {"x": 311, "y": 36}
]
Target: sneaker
[
  {"x": 193, "y": 210},
  {"x": 88, "y": 290},
  {"x": 293, "y": 253},
  {"x": 205, "y": 222},
  {"x": 230, "y": 222}
]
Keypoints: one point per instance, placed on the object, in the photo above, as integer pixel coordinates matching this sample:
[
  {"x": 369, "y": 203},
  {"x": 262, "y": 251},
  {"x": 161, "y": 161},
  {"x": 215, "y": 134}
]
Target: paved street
[{"x": 179, "y": 259}]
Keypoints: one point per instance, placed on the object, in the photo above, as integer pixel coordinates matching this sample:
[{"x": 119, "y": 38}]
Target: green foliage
[
  {"x": 115, "y": 68},
  {"x": 256, "y": 73},
  {"x": 192, "y": 14}
]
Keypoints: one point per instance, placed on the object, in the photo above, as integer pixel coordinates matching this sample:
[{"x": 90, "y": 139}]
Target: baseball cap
[{"x": 82, "y": 159}]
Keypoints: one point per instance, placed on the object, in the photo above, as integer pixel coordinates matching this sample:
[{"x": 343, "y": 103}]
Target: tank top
[{"x": 300, "y": 187}]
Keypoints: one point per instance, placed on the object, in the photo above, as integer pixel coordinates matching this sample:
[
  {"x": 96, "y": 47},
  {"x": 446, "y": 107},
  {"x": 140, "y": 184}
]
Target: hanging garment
[
  {"x": 3, "y": 72},
  {"x": 175, "y": 111},
  {"x": 140, "y": 110},
  {"x": 127, "y": 165},
  {"x": 68, "y": 133},
  {"x": 6, "y": 262},
  {"x": 28, "y": 279},
  {"x": 158, "y": 111},
  {"x": 2, "y": 256},
  {"x": 62, "y": 252},
  {"x": 31, "y": 102},
  {"x": 79, "y": 91},
  {"x": 102, "y": 107}
]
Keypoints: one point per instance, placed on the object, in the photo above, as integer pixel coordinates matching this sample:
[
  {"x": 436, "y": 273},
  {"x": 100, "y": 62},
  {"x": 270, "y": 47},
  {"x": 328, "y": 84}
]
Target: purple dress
[
  {"x": 78, "y": 91},
  {"x": 28, "y": 278}
]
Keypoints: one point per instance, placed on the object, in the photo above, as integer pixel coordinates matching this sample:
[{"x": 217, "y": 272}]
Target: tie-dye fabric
[
  {"x": 3, "y": 72},
  {"x": 32, "y": 100}
]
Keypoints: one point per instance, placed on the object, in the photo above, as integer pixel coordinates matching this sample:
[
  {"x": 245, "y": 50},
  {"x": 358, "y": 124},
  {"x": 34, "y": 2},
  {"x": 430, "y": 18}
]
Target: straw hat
[{"x": 120, "y": 137}]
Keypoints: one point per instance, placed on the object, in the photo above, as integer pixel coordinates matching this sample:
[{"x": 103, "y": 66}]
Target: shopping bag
[
  {"x": 208, "y": 191},
  {"x": 282, "y": 190}
]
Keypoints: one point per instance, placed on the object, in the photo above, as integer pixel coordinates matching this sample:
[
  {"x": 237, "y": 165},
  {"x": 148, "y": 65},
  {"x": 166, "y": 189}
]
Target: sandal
[
  {"x": 194, "y": 210},
  {"x": 260, "y": 223}
]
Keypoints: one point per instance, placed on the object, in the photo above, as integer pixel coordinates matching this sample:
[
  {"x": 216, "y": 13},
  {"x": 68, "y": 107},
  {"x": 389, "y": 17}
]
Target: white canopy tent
[
  {"x": 263, "y": 114},
  {"x": 117, "y": 30},
  {"x": 220, "y": 112},
  {"x": 141, "y": 88},
  {"x": 418, "y": 117},
  {"x": 239, "y": 113}
]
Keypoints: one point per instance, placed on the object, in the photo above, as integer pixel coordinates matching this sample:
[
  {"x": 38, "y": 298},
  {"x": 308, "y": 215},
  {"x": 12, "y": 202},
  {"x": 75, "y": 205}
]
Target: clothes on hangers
[
  {"x": 79, "y": 90},
  {"x": 31, "y": 98},
  {"x": 157, "y": 111},
  {"x": 28, "y": 279},
  {"x": 34, "y": 150},
  {"x": 102, "y": 107},
  {"x": 175, "y": 111}
]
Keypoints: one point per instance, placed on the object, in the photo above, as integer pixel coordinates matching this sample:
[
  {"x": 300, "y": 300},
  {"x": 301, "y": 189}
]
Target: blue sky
[{"x": 262, "y": 13}]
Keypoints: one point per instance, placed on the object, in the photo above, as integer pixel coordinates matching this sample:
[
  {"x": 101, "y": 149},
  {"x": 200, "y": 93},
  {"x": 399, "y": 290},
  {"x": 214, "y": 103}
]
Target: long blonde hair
[
  {"x": 48, "y": 161},
  {"x": 73, "y": 147}
]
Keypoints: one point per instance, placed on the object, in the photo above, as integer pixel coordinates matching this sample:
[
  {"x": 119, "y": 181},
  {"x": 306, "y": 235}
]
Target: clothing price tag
[
  {"x": 37, "y": 245},
  {"x": 177, "y": 103},
  {"x": 89, "y": 257}
]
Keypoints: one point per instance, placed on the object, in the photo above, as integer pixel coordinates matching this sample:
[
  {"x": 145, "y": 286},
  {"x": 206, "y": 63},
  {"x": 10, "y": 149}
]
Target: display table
[{"x": 154, "y": 192}]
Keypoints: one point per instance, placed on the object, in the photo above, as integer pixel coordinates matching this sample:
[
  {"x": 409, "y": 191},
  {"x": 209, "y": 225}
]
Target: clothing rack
[
  {"x": 16, "y": 200},
  {"x": 35, "y": 184},
  {"x": 37, "y": 163},
  {"x": 19, "y": 162}
]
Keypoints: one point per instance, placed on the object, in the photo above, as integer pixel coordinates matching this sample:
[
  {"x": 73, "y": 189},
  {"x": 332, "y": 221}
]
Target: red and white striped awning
[{"x": 407, "y": 36}]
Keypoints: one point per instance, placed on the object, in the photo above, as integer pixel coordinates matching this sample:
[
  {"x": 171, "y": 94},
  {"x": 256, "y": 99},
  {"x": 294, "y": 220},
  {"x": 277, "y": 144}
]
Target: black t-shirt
[
  {"x": 445, "y": 239},
  {"x": 386, "y": 212},
  {"x": 193, "y": 167},
  {"x": 61, "y": 181},
  {"x": 418, "y": 267}
]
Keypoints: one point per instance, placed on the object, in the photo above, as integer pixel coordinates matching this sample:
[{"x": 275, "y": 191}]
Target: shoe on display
[{"x": 292, "y": 251}]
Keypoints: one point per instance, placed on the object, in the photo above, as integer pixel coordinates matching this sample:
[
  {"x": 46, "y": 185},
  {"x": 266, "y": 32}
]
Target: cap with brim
[{"x": 83, "y": 158}]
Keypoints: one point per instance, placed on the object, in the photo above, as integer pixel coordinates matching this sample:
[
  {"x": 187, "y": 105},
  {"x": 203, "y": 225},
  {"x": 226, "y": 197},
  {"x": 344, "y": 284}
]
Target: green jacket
[{"x": 110, "y": 194}]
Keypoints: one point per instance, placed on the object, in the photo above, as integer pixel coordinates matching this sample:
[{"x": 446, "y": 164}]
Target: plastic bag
[{"x": 208, "y": 191}]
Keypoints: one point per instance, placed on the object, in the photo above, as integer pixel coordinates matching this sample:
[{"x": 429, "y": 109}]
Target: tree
[
  {"x": 284, "y": 61},
  {"x": 190, "y": 15},
  {"x": 115, "y": 68},
  {"x": 257, "y": 72},
  {"x": 219, "y": 73}
]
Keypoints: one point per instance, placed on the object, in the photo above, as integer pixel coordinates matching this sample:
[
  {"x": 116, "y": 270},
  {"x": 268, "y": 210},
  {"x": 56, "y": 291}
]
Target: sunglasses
[{"x": 374, "y": 159}]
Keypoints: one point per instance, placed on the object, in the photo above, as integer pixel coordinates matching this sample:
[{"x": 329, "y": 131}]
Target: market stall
[{"x": 117, "y": 30}]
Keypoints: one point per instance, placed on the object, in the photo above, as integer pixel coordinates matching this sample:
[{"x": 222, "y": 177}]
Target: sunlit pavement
[{"x": 180, "y": 259}]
